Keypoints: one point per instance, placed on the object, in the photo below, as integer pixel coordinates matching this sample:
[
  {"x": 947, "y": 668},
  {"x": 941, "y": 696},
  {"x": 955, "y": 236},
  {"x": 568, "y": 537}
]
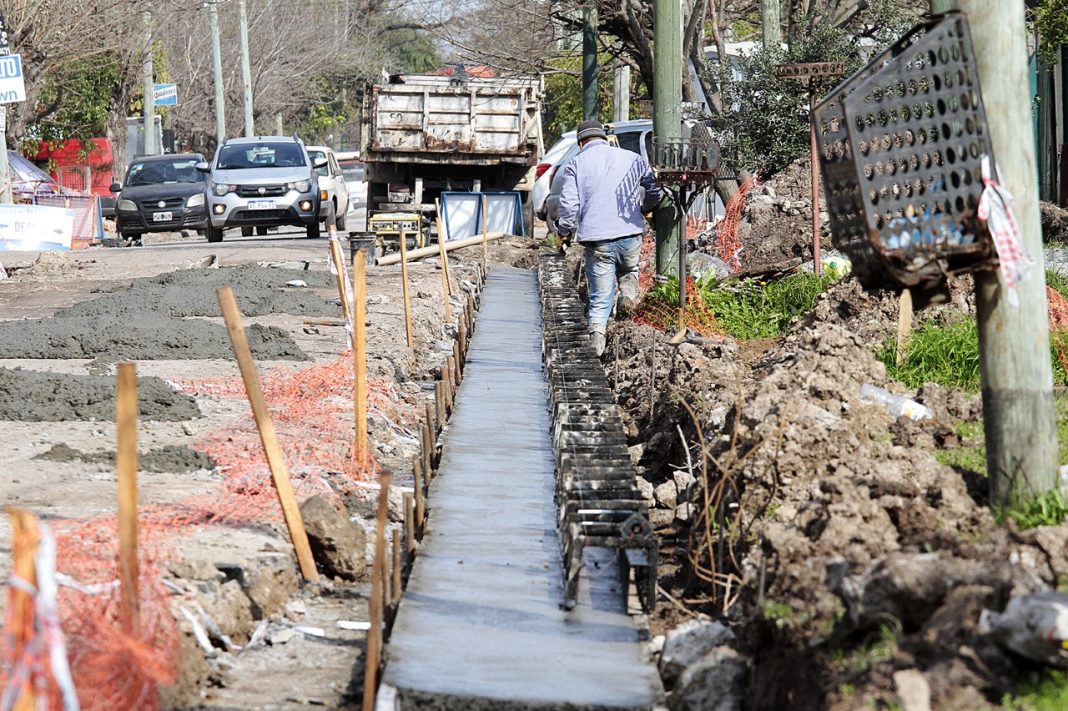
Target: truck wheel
[
  {"x": 339, "y": 221},
  {"x": 313, "y": 230},
  {"x": 214, "y": 234},
  {"x": 261, "y": 231}
]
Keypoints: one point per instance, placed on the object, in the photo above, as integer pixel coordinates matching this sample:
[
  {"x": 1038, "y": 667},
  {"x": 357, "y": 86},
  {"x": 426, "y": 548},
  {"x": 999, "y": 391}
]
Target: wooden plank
[
  {"x": 126, "y": 469},
  {"x": 359, "y": 354},
  {"x": 404, "y": 289}
]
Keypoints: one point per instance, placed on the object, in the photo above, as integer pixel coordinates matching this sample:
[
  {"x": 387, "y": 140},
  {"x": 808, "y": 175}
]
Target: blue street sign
[{"x": 165, "y": 94}]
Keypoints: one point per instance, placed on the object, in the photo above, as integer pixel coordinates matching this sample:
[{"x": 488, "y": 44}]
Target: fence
[{"x": 88, "y": 220}]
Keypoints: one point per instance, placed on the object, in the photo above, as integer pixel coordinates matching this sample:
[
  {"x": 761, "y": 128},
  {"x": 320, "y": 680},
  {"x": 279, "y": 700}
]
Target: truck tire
[
  {"x": 313, "y": 230},
  {"x": 214, "y": 234},
  {"x": 261, "y": 231},
  {"x": 339, "y": 220}
]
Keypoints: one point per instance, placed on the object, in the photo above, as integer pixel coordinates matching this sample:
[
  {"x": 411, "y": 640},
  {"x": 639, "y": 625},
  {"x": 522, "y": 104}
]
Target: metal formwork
[{"x": 599, "y": 500}]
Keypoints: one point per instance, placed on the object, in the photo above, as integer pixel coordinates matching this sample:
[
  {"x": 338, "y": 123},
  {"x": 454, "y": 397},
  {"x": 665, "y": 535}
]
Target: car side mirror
[
  {"x": 116, "y": 187},
  {"x": 203, "y": 167},
  {"x": 321, "y": 163}
]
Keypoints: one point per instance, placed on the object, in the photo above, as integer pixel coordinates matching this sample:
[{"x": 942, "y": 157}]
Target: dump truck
[{"x": 426, "y": 134}]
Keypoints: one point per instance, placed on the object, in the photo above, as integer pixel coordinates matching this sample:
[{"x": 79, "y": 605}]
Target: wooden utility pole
[
  {"x": 667, "y": 118},
  {"x": 770, "y": 24},
  {"x": 216, "y": 71},
  {"x": 1021, "y": 433}
]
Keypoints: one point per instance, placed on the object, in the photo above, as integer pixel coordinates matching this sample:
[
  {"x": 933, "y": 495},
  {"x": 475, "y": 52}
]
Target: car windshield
[
  {"x": 165, "y": 172},
  {"x": 242, "y": 156},
  {"x": 353, "y": 173}
]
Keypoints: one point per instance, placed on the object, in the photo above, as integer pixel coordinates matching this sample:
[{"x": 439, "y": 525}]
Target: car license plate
[
  {"x": 261, "y": 204},
  {"x": 162, "y": 216}
]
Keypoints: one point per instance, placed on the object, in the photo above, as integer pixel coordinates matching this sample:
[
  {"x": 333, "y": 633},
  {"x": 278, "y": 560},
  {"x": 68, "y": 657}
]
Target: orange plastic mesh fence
[
  {"x": 313, "y": 415},
  {"x": 663, "y": 314},
  {"x": 728, "y": 243}
]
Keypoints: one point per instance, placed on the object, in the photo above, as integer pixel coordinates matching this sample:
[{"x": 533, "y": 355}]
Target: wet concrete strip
[{"x": 481, "y": 624}]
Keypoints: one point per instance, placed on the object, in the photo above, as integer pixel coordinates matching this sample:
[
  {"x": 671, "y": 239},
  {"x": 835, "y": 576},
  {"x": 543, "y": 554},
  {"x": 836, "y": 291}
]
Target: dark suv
[
  {"x": 261, "y": 182},
  {"x": 161, "y": 194}
]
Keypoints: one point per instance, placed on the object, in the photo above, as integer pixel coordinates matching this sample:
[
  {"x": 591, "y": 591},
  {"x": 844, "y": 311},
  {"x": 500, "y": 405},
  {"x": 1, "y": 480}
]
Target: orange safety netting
[
  {"x": 728, "y": 244},
  {"x": 1058, "y": 324},
  {"x": 313, "y": 414},
  {"x": 662, "y": 311}
]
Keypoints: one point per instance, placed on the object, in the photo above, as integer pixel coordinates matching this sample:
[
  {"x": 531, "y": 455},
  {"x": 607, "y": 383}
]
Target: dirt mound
[
  {"x": 1054, "y": 222},
  {"x": 137, "y": 336},
  {"x": 776, "y": 226},
  {"x": 31, "y": 396},
  {"x": 169, "y": 458},
  {"x": 191, "y": 292}
]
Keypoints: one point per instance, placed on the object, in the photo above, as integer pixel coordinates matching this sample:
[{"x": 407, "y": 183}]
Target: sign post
[{"x": 12, "y": 89}]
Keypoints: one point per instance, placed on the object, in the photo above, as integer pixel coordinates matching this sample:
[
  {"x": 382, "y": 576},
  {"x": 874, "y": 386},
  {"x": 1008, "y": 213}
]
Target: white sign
[
  {"x": 33, "y": 228},
  {"x": 12, "y": 86},
  {"x": 165, "y": 94}
]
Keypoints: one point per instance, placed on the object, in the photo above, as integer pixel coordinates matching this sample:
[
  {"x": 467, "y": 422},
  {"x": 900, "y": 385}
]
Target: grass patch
[
  {"x": 1058, "y": 282},
  {"x": 747, "y": 308},
  {"x": 1050, "y": 509},
  {"x": 879, "y": 648},
  {"x": 971, "y": 454},
  {"x": 1046, "y": 691}
]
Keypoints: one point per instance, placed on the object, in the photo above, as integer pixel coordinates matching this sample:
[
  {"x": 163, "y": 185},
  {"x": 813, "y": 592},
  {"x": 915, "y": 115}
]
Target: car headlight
[
  {"x": 195, "y": 200},
  {"x": 221, "y": 189},
  {"x": 301, "y": 186},
  {"x": 128, "y": 205}
]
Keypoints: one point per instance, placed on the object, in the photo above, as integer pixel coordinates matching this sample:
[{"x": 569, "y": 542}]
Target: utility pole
[
  {"x": 1019, "y": 424},
  {"x": 667, "y": 118},
  {"x": 589, "y": 61},
  {"x": 246, "y": 69},
  {"x": 621, "y": 94},
  {"x": 149, "y": 111},
  {"x": 278, "y": 125},
  {"x": 5, "y": 169},
  {"x": 216, "y": 67},
  {"x": 770, "y": 24}
]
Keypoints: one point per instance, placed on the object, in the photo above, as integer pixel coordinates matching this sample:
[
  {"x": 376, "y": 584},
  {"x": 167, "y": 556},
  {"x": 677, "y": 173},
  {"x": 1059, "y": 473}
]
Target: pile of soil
[
  {"x": 776, "y": 226},
  {"x": 169, "y": 458},
  {"x": 141, "y": 335},
  {"x": 191, "y": 292},
  {"x": 31, "y": 396},
  {"x": 1054, "y": 223}
]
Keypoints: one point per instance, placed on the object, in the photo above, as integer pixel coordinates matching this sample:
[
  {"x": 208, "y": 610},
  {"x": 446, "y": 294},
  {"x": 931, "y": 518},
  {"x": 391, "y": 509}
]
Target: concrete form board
[{"x": 481, "y": 625}]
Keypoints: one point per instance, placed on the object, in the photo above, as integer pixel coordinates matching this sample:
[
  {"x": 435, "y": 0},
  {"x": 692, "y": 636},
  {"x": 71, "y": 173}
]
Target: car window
[
  {"x": 334, "y": 168},
  {"x": 353, "y": 173},
  {"x": 242, "y": 156},
  {"x": 317, "y": 156},
  {"x": 631, "y": 140},
  {"x": 648, "y": 135},
  {"x": 164, "y": 172}
]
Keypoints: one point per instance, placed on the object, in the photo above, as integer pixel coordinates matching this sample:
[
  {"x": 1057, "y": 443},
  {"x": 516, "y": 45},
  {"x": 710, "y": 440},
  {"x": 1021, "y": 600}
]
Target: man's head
[{"x": 588, "y": 131}]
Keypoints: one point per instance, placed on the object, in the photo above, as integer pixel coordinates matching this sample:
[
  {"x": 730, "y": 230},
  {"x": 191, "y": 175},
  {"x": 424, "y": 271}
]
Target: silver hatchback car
[{"x": 261, "y": 182}]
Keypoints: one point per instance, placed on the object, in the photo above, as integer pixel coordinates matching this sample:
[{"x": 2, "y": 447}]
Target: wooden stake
[
  {"x": 446, "y": 287},
  {"x": 359, "y": 354},
  {"x": 409, "y": 527},
  {"x": 275, "y": 458},
  {"x": 485, "y": 238},
  {"x": 397, "y": 569},
  {"x": 25, "y": 540},
  {"x": 386, "y": 581},
  {"x": 420, "y": 496},
  {"x": 342, "y": 288},
  {"x": 904, "y": 326},
  {"x": 454, "y": 377},
  {"x": 461, "y": 338},
  {"x": 126, "y": 466},
  {"x": 458, "y": 359},
  {"x": 374, "y": 634},
  {"x": 428, "y": 451},
  {"x": 439, "y": 404},
  {"x": 404, "y": 286}
]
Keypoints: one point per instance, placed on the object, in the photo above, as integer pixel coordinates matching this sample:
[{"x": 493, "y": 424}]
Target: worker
[{"x": 605, "y": 192}]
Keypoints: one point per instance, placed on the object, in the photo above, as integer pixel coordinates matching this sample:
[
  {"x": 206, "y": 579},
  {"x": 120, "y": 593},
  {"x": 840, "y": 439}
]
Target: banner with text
[{"x": 31, "y": 228}]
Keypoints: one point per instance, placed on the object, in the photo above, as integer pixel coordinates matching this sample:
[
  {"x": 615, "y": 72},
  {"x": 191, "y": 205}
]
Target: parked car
[
  {"x": 333, "y": 192},
  {"x": 261, "y": 182},
  {"x": 161, "y": 194},
  {"x": 355, "y": 173},
  {"x": 635, "y": 136}
]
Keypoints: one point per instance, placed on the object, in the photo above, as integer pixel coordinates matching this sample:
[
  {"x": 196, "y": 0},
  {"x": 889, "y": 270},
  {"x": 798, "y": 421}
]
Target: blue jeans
[{"x": 605, "y": 262}]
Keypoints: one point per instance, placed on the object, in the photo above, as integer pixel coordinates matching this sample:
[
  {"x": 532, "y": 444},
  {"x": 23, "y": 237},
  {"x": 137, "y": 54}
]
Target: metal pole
[
  {"x": 5, "y": 170},
  {"x": 621, "y": 94},
  {"x": 246, "y": 70},
  {"x": 667, "y": 118},
  {"x": 589, "y": 62},
  {"x": 939, "y": 7},
  {"x": 814, "y": 160},
  {"x": 149, "y": 111},
  {"x": 216, "y": 66},
  {"x": 278, "y": 125},
  {"x": 771, "y": 24},
  {"x": 1021, "y": 433}
]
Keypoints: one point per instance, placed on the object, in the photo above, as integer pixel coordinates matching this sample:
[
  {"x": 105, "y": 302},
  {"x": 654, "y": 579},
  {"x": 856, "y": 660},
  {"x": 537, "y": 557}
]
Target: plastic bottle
[{"x": 896, "y": 405}]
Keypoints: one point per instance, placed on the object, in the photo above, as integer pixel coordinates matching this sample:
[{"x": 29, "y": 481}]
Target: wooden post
[
  {"x": 428, "y": 450},
  {"x": 439, "y": 402},
  {"x": 404, "y": 286},
  {"x": 409, "y": 527},
  {"x": 454, "y": 376},
  {"x": 1017, "y": 378},
  {"x": 461, "y": 338},
  {"x": 126, "y": 466},
  {"x": 904, "y": 326},
  {"x": 397, "y": 569},
  {"x": 273, "y": 451},
  {"x": 420, "y": 495},
  {"x": 359, "y": 354},
  {"x": 485, "y": 237},
  {"x": 378, "y": 567},
  {"x": 338, "y": 261},
  {"x": 458, "y": 360},
  {"x": 25, "y": 540},
  {"x": 446, "y": 287}
]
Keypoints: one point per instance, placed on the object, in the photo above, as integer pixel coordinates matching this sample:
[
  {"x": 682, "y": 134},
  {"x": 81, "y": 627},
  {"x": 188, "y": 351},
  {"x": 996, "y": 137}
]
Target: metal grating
[
  {"x": 694, "y": 160},
  {"x": 901, "y": 145}
]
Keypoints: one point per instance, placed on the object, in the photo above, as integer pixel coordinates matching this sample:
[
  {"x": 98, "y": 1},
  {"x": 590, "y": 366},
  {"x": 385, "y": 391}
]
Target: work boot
[
  {"x": 597, "y": 341},
  {"x": 628, "y": 296}
]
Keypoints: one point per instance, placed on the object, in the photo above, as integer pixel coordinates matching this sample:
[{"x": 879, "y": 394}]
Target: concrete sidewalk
[{"x": 481, "y": 625}]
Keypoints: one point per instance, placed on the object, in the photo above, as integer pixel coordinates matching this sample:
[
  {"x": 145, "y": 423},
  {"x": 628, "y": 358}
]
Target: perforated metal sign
[{"x": 901, "y": 145}]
